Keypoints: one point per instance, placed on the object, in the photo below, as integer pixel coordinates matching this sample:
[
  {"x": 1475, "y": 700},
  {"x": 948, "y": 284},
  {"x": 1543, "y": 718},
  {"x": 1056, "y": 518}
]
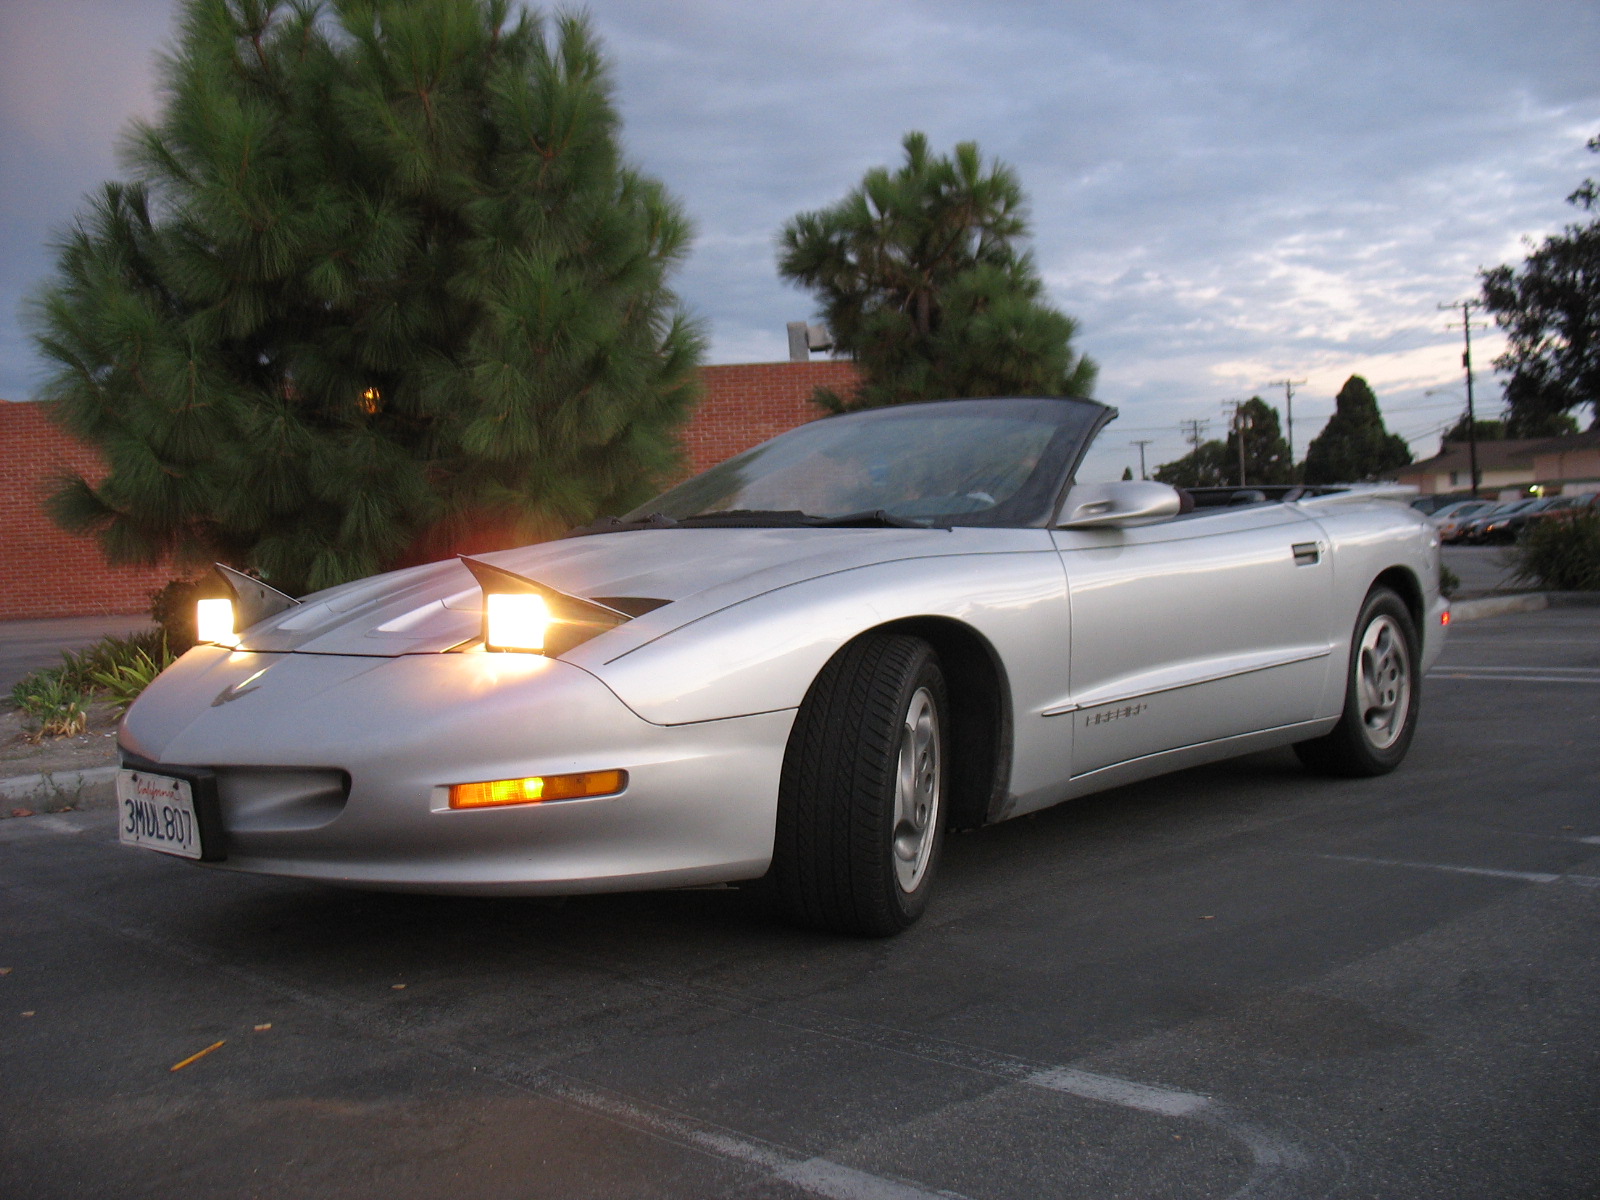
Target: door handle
[{"x": 1307, "y": 554}]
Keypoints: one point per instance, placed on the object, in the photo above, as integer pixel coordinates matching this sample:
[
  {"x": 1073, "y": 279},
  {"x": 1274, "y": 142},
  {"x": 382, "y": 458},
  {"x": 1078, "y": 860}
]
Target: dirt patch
[{"x": 95, "y": 747}]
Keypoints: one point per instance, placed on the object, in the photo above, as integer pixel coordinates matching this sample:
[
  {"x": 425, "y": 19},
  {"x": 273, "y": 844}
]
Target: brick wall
[
  {"x": 748, "y": 403},
  {"x": 47, "y": 573},
  {"x": 43, "y": 571}
]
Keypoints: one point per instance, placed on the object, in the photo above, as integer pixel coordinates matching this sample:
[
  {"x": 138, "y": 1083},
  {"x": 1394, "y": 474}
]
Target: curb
[
  {"x": 1494, "y": 606},
  {"x": 58, "y": 784}
]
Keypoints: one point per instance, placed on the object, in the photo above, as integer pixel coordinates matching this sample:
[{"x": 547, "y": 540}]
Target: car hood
[{"x": 437, "y": 607}]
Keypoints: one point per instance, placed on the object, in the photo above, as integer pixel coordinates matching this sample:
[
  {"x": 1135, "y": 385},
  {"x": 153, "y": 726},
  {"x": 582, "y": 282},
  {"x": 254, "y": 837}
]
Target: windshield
[{"x": 963, "y": 462}]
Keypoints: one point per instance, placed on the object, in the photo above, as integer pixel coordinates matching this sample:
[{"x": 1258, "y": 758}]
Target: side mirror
[{"x": 1118, "y": 505}]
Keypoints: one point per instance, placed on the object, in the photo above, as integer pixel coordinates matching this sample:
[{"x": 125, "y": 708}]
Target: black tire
[
  {"x": 1383, "y": 689},
  {"x": 858, "y": 837}
]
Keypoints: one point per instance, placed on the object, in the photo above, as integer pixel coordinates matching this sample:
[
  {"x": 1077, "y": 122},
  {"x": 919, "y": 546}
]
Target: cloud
[{"x": 1222, "y": 194}]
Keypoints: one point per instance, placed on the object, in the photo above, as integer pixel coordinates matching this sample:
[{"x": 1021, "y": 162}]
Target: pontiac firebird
[{"x": 799, "y": 667}]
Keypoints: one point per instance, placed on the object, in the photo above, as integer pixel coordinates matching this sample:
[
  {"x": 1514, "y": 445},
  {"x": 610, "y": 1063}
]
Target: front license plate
[{"x": 157, "y": 812}]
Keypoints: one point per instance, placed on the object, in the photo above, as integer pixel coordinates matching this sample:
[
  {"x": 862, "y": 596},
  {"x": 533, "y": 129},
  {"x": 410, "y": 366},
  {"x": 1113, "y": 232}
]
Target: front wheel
[
  {"x": 1382, "y": 691},
  {"x": 861, "y": 805}
]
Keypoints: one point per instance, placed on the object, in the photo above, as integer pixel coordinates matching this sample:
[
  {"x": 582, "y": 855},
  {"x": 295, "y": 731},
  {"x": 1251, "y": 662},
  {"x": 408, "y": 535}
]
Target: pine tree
[
  {"x": 1266, "y": 454},
  {"x": 1463, "y": 431},
  {"x": 1207, "y": 465},
  {"x": 920, "y": 281},
  {"x": 383, "y": 286},
  {"x": 1354, "y": 445},
  {"x": 1550, "y": 310}
]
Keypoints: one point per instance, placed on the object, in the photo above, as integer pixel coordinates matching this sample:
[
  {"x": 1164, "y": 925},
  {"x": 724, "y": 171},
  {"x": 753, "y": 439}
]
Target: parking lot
[{"x": 1235, "y": 981}]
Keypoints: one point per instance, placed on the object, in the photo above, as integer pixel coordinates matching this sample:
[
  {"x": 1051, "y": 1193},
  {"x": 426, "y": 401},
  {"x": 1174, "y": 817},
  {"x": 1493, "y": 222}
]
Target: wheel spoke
[{"x": 917, "y": 790}]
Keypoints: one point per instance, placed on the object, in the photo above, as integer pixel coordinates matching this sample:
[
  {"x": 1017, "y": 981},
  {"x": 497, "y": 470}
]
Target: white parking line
[
  {"x": 822, "y": 1177},
  {"x": 1523, "y": 667},
  {"x": 1492, "y": 872},
  {"x": 1481, "y": 675},
  {"x": 1167, "y": 1102}
]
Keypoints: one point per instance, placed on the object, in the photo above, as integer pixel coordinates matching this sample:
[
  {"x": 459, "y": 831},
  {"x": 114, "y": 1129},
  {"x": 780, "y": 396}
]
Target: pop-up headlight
[
  {"x": 234, "y": 602},
  {"x": 523, "y": 614},
  {"x": 515, "y": 621},
  {"x": 214, "y": 621}
]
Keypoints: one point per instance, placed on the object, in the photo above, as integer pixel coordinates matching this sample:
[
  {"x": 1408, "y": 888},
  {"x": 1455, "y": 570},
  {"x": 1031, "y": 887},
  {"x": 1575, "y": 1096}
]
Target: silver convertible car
[{"x": 799, "y": 667}]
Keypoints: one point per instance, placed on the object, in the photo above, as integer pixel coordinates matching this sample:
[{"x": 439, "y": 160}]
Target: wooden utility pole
[
  {"x": 1466, "y": 307},
  {"x": 1141, "y": 443},
  {"x": 1289, "y": 386},
  {"x": 1240, "y": 424}
]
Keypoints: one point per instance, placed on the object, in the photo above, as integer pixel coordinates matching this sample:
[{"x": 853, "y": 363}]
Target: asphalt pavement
[
  {"x": 1235, "y": 981},
  {"x": 30, "y": 645}
]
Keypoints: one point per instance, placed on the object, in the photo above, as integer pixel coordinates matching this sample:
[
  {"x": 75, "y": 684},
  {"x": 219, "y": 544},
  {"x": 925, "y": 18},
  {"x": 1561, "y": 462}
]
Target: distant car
[
  {"x": 1475, "y": 529},
  {"x": 1561, "y": 508},
  {"x": 1505, "y": 526},
  {"x": 1453, "y": 519},
  {"x": 1431, "y": 505},
  {"x": 800, "y": 665}
]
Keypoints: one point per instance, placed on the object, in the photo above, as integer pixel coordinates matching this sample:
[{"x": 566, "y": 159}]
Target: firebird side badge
[{"x": 1106, "y": 715}]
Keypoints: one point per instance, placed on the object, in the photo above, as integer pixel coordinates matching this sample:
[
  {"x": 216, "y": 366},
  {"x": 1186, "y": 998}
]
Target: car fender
[{"x": 756, "y": 656}]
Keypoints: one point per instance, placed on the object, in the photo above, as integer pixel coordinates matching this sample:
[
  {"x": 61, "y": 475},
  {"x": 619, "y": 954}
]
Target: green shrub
[
  {"x": 54, "y": 701},
  {"x": 1562, "y": 553},
  {"x": 172, "y": 609},
  {"x": 1449, "y": 581},
  {"x": 50, "y": 706},
  {"x": 82, "y": 668},
  {"x": 131, "y": 673}
]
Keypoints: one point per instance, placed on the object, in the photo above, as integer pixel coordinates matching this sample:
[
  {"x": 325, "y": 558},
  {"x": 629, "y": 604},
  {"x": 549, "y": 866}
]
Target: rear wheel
[
  {"x": 1381, "y": 695},
  {"x": 861, "y": 808}
]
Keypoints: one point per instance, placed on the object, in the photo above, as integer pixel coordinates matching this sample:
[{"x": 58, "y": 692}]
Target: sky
[{"x": 1222, "y": 194}]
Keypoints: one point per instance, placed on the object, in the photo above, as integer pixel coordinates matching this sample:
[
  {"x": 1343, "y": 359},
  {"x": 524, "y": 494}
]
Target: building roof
[
  {"x": 1505, "y": 455},
  {"x": 1589, "y": 439},
  {"x": 1510, "y": 454}
]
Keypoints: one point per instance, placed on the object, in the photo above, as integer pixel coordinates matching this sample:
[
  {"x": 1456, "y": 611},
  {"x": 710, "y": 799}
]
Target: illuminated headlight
[
  {"x": 214, "y": 622},
  {"x": 515, "y": 621},
  {"x": 537, "y": 789}
]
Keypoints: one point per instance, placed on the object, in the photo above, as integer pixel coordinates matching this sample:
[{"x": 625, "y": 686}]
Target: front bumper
[{"x": 284, "y": 732}]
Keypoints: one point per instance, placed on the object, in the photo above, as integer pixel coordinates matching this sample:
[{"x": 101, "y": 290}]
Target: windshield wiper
[
  {"x": 870, "y": 519},
  {"x": 754, "y": 518},
  {"x": 653, "y": 520}
]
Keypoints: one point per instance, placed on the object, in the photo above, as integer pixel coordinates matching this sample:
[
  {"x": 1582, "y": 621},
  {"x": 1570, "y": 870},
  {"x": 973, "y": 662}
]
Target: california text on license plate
[{"x": 157, "y": 812}]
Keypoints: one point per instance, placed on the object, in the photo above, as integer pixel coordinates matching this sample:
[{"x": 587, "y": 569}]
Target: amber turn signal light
[{"x": 537, "y": 788}]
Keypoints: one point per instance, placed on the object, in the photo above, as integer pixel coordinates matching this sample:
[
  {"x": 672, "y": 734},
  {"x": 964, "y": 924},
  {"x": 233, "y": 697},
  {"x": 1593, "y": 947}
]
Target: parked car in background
[
  {"x": 1561, "y": 508},
  {"x": 1473, "y": 532},
  {"x": 1435, "y": 503},
  {"x": 1452, "y": 519},
  {"x": 1505, "y": 527}
]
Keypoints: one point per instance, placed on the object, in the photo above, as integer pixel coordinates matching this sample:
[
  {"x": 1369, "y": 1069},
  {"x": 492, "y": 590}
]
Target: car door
[{"x": 1202, "y": 627}]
